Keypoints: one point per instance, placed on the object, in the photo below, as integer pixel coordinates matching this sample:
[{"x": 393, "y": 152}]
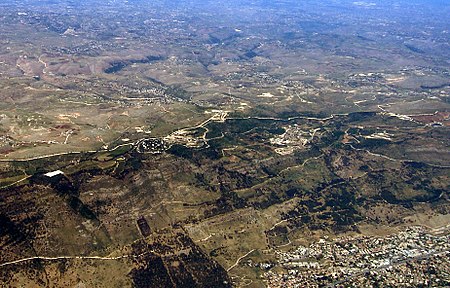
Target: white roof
[{"x": 54, "y": 173}]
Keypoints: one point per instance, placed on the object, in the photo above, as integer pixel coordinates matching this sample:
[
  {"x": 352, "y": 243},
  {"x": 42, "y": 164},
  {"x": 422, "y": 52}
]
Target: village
[{"x": 413, "y": 257}]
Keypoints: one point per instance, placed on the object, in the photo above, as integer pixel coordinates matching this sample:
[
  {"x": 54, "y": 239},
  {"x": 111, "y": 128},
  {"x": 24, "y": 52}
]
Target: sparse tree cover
[{"x": 224, "y": 143}]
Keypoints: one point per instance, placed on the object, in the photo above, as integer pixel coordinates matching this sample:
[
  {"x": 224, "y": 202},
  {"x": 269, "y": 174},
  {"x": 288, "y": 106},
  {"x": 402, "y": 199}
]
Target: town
[{"x": 413, "y": 257}]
